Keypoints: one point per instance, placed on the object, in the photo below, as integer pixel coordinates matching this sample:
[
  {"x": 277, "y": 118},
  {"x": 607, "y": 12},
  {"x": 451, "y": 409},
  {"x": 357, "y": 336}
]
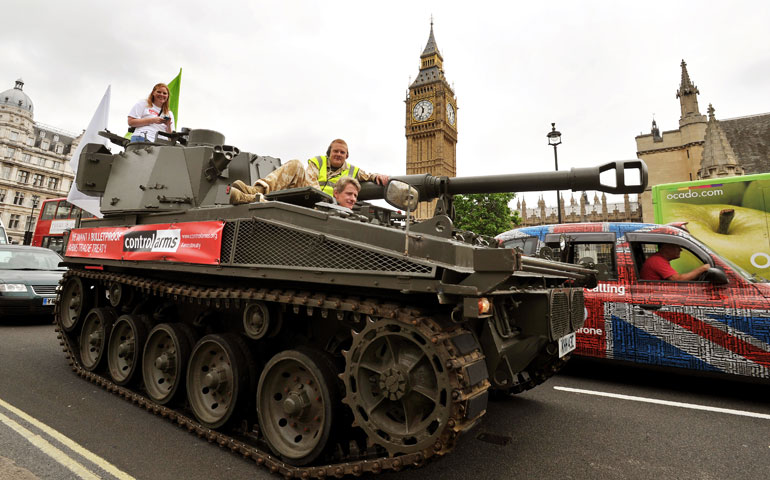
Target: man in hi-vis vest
[{"x": 322, "y": 173}]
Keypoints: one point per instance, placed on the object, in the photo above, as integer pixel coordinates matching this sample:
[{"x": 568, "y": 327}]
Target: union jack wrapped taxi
[{"x": 717, "y": 323}]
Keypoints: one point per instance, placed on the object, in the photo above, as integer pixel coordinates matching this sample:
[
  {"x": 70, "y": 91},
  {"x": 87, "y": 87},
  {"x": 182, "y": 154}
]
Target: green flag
[
  {"x": 173, "y": 99},
  {"x": 173, "y": 96}
]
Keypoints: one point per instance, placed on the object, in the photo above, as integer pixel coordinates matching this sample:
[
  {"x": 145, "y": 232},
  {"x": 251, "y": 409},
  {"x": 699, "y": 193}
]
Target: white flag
[{"x": 98, "y": 123}]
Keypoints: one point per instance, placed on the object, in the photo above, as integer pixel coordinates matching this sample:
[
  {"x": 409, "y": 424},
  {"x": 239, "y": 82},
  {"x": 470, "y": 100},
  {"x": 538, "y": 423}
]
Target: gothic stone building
[
  {"x": 34, "y": 162},
  {"x": 702, "y": 147},
  {"x": 573, "y": 211}
]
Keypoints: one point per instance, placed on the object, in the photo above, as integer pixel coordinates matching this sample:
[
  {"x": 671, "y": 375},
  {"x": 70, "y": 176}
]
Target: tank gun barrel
[{"x": 612, "y": 177}]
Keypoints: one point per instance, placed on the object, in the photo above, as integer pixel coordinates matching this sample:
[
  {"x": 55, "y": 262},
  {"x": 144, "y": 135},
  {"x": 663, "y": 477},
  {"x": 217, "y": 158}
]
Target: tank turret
[{"x": 190, "y": 169}]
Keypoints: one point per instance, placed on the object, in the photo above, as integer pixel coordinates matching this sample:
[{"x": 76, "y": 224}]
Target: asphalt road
[{"x": 560, "y": 430}]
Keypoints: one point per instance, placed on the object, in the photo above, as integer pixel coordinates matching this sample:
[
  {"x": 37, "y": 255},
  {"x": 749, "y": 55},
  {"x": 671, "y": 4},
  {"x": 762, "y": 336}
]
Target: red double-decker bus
[{"x": 56, "y": 216}]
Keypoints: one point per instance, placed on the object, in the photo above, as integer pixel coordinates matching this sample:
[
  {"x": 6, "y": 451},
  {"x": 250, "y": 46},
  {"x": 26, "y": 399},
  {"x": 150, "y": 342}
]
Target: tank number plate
[{"x": 566, "y": 344}]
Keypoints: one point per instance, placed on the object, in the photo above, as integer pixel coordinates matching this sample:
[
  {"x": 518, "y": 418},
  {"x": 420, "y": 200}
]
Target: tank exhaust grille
[
  {"x": 261, "y": 243},
  {"x": 577, "y": 308},
  {"x": 560, "y": 315},
  {"x": 228, "y": 237}
]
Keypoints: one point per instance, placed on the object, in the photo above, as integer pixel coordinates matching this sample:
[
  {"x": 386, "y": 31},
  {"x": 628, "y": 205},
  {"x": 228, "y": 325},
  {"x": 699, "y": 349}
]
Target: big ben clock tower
[{"x": 431, "y": 122}]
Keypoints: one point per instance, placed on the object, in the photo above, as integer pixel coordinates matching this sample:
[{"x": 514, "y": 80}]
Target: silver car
[{"x": 28, "y": 280}]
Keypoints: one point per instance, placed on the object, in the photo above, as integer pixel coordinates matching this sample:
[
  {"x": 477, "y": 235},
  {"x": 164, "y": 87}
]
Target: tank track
[{"x": 465, "y": 399}]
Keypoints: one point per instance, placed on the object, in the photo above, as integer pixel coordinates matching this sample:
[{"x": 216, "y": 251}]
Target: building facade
[
  {"x": 431, "y": 122},
  {"x": 702, "y": 147},
  {"x": 34, "y": 162},
  {"x": 580, "y": 211}
]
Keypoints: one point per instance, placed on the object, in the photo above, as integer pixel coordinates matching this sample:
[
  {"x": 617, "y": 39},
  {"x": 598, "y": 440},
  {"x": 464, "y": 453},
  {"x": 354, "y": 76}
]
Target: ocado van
[{"x": 731, "y": 215}]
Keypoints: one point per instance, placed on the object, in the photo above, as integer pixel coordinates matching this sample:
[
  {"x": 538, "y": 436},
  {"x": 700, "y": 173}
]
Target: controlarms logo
[{"x": 152, "y": 241}]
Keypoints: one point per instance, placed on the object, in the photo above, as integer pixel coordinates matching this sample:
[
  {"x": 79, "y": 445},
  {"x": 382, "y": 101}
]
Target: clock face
[
  {"x": 422, "y": 110},
  {"x": 450, "y": 113}
]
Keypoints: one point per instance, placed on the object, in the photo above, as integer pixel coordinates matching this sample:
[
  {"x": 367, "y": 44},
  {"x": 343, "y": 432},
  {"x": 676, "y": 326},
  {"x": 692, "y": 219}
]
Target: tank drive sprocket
[{"x": 405, "y": 381}]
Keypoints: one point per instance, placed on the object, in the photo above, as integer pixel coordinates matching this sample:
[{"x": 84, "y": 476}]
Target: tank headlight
[
  {"x": 13, "y": 287},
  {"x": 484, "y": 306}
]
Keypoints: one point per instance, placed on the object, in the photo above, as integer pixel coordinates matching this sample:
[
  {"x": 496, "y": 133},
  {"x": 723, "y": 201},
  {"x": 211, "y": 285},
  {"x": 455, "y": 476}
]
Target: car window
[
  {"x": 687, "y": 260},
  {"x": 528, "y": 245},
  {"x": 54, "y": 243},
  {"x": 29, "y": 260},
  {"x": 601, "y": 255}
]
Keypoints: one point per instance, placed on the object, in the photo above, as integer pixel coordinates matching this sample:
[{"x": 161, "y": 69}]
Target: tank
[{"x": 309, "y": 338}]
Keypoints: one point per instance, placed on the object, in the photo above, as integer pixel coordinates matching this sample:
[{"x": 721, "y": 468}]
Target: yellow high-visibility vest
[{"x": 327, "y": 184}]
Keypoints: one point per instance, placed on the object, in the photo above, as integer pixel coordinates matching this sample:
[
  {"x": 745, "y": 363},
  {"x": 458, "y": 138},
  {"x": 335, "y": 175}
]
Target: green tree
[{"x": 485, "y": 213}]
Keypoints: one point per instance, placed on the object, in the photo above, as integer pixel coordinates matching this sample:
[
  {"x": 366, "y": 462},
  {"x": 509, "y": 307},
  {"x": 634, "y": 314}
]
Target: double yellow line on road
[{"x": 55, "y": 453}]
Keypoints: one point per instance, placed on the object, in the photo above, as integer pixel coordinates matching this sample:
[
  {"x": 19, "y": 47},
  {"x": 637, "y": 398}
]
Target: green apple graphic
[
  {"x": 753, "y": 197},
  {"x": 745, "y": 242},
  {"x": 728, "y": 193}
]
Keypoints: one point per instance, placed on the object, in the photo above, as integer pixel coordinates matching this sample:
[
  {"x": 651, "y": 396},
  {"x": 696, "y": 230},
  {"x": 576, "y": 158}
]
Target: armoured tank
[{"x": 309, "y": 338}]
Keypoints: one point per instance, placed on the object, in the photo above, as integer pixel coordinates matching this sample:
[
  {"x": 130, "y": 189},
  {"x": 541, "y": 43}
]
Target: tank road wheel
[
  {"x": 217, "y": 379},
  {"x": 297, "y": 402},
  {"x": 164, "y": 360},
  {"x": 397, "y": 386},
  {"x": 93, "y": 337},
  {"x": 256, "y": 320},
  {"x": 124, "y": 349},
  {"x": 120, "y": 294},
  {"x": 75, "y": 300}
]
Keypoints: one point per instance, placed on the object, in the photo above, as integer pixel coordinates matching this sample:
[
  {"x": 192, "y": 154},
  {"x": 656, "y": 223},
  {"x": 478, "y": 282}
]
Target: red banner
[{"x": 190, "y": 242}]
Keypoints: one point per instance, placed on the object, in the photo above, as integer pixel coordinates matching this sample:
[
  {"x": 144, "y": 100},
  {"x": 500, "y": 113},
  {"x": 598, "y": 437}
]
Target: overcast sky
[{"x": 282, "y": 78}]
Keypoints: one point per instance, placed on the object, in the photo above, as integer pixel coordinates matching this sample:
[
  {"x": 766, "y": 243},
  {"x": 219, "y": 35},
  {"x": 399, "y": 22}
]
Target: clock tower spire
[{"x": 431, "y": 121}]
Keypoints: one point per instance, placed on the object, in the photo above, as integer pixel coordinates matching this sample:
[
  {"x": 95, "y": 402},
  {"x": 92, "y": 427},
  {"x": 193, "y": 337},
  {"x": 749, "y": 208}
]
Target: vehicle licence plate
[
  {"x": 52, "y": 300},
  {"x": 567, "y": 344}
]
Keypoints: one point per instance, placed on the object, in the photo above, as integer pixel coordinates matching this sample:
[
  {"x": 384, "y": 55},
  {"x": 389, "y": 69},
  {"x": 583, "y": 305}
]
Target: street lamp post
[
  {"x": 554, "y": 139},
  {"x": 28, "y": 233}
]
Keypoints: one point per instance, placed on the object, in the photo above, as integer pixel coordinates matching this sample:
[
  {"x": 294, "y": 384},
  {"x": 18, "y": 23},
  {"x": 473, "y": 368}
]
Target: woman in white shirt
[{"x": 148, "y": 117}]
